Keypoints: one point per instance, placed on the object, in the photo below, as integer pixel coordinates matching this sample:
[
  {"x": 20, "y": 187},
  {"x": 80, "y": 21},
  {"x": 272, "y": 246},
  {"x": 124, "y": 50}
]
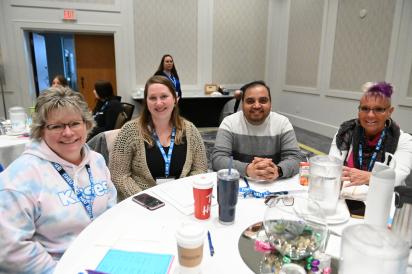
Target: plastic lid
[
  {"x": 202, "y": 182},
  {"x": 375, "y": 242},
  {"x": 190, "y": 235},
  {"x": 403, "y": 194},
  {"x": 325, "y": 166},
  {"x": 17, "y": 109},
  {"x": 224, "y": 174}
]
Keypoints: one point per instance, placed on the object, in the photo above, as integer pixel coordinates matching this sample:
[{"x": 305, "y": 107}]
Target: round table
[
  {"x": 11, "y": 147},
  {"x": 129, "y": 226}
]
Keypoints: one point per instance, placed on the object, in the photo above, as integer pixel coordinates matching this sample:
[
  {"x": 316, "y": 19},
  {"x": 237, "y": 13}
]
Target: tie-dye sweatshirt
[{"x": 40, "y": 215}]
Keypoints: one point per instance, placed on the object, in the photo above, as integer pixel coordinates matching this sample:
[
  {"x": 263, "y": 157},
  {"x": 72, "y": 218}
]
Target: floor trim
[{"x": 311, "y": 149}]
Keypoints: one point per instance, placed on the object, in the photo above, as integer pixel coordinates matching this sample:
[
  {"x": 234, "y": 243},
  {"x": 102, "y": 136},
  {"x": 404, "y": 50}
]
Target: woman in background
[
  {"x": 107, "y": 108},
  {"x": 361, "y": 142},
  {"x": 167, "y": 68},
  {"x": 158, "y": 146},
  {"x": 59, "y": 80},
  {"x": 55, "y": 189}
]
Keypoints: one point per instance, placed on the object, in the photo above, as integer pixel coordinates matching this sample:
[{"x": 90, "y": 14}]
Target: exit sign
[{"x": 69, "y": 15}]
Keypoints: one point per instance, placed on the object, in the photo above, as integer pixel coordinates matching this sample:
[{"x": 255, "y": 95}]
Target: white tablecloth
[
  {"x": 11, "y": 147},
  {"x": 129, "y": 226}
]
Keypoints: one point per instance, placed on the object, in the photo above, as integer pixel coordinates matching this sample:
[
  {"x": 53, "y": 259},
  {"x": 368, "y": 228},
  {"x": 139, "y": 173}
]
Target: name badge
[{"x": 163, "y": 180}]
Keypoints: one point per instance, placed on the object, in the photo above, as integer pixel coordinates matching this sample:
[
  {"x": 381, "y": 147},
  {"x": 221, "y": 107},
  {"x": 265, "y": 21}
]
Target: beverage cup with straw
[{"x": 227, "y": 193}]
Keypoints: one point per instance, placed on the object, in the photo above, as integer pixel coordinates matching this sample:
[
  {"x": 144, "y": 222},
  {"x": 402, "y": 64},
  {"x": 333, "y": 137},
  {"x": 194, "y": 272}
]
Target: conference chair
[
  {"x": 103, "y": 143},
  {"x": 121, "y": 120},
  {"x": 124, "y": 116},
  {"x": 128, "y": 109}
]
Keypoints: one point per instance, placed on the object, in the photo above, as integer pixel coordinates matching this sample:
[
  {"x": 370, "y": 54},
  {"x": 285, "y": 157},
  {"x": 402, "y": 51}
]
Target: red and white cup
[{"x": 202, "y": 194}]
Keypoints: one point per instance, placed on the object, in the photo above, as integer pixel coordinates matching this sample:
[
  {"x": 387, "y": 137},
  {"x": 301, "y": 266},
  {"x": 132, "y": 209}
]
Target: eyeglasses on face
[
  {"x": 377, "y": 110},
  {"x": 59, "y": 128}
]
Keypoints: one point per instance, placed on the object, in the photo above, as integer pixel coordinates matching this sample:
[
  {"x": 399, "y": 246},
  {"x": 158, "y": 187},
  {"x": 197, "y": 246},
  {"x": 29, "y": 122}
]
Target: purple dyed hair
[{"x": 382, "y": 88}]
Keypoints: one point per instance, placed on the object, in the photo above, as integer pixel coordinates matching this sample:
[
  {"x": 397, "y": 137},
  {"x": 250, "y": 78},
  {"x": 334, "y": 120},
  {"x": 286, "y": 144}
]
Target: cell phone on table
[
  {"x": 356, "y": 208},
  {"x": 148, "y": 201}
]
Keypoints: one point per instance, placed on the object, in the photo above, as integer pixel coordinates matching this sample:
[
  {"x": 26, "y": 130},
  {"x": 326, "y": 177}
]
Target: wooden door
[{"x": 95, "y": 60}]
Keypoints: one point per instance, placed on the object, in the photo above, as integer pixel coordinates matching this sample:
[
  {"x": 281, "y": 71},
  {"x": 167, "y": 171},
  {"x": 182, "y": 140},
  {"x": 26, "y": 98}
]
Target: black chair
[
  {"x": 128, "y": 109},
  {"x": 121, "y": 120}
]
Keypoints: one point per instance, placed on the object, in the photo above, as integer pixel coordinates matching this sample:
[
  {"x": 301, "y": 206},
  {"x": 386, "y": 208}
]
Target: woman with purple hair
[{"x": 361, "y": 142}]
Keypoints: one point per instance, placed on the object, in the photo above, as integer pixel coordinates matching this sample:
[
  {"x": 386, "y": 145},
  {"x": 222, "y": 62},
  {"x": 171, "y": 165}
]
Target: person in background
[
  {"x": 360, "y": 142},
  {"x": 262, "y": 142},
  {"x": 232, "y": 106},
  {"x": 167, "y": 68},
  {"x": 158, "y": 146},
  {"x": 59, "y": 80},
  {"x": 107, "y": 108},
  {"x": 55, "y": 189}
]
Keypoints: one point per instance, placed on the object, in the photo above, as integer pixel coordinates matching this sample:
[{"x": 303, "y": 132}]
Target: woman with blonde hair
[
  {"x": 158, "y": 146},
  {"x": 55, "y": 189}
]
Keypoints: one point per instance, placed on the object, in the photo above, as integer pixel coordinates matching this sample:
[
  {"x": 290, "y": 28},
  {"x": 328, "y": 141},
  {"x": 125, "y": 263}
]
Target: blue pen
[
  {"x": 211, "y": 249},
  {"x": 91, "y": 271}
]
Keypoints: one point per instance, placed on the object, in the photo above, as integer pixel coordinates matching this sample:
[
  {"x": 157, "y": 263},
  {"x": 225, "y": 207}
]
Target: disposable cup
[
  {"x": 190, "y": 237},
  {"x": 202, "y": 194}
]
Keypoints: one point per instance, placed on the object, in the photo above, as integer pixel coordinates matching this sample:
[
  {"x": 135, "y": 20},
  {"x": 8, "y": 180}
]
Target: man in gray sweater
[{"x": 262, "y": 142}]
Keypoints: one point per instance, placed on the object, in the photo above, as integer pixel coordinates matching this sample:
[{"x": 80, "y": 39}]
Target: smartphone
[
  {"x": 148, "y": 201},
  {"x": 356, "y": 208}
]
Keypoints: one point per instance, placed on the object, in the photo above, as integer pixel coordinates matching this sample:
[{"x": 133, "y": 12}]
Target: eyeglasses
[
  {"x": 59, "y": 128},
  {"x": 377, "y": 110},
  {"x": 273, "y": 200}
]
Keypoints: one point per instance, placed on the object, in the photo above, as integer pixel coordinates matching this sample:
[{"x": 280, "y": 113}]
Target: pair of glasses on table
[{"x": 286, "y": 200}]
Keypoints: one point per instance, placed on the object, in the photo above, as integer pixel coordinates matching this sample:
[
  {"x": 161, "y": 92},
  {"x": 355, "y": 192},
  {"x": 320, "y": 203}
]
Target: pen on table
[
  {"x": 91, "y": 271},
  {"x": 209, "y": 239}
]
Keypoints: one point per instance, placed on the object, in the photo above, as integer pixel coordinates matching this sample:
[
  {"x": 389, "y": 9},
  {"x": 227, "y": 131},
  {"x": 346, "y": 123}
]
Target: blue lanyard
[
  {"x": 168, "y": 158},
  {"x": 375, "y": 153},
  {"x": 173, "y": 79},
  {"x": 247, "y": 191},
  {"x": 87, "y": 203},
  {"x": 101, "y": 109}
]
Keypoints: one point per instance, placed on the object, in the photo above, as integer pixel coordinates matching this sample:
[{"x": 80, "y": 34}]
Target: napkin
[{"x": 354, "y": 192}]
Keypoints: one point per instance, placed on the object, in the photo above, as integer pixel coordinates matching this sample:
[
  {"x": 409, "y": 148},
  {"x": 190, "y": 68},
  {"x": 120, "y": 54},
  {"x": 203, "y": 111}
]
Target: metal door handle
[{"x": 82, "y": 81}]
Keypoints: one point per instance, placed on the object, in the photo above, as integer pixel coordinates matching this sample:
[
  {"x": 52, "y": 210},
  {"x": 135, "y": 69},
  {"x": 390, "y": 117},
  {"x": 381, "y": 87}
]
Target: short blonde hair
[
  {"x": 367, "y": 86},
  {"x": 54, "y": 98}
]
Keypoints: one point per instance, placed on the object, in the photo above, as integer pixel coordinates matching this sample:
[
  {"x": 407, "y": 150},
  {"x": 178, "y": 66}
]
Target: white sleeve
[{"x": 403, "y": 158}]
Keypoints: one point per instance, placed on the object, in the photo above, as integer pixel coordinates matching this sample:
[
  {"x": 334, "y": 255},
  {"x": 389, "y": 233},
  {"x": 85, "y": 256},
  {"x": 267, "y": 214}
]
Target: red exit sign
[{"x": 69, "y": 15}]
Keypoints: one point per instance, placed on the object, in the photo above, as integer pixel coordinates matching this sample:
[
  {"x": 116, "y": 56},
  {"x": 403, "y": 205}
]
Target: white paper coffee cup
[{"x": 190, "y": 238}]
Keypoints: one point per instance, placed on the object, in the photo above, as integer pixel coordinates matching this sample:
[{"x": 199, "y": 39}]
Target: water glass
[{"x": 325, "y": 182}]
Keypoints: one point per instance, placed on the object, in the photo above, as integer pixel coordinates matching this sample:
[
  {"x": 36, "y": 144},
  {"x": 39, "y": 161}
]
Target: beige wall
[
  {"x": 166, "y": 27},
  {"x": 239, "y": 40},
  {"x": 361, "y": 47},
  {"x": 304, "y": 39},
  {"x": 328, "y": 49}
]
